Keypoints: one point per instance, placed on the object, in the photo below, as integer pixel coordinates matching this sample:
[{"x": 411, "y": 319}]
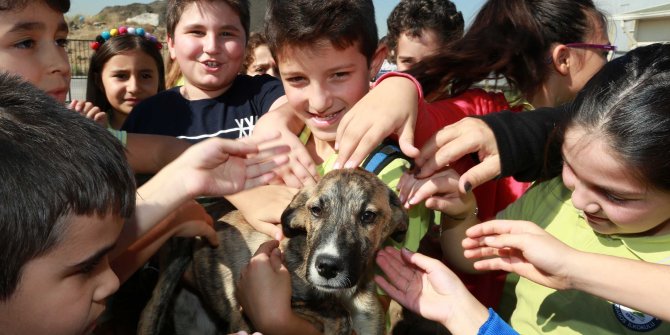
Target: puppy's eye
[
  {"x": 368, "y": 217},
  {"x": 316, "y": 211}
]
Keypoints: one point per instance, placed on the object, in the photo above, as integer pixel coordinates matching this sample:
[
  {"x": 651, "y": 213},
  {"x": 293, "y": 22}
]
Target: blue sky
[{"x": 382, "y": 7}]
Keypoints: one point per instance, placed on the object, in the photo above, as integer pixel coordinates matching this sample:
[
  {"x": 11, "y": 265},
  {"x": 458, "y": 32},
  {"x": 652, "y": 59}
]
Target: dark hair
[
  {"x": 256, "y": 39},
  {"x": 175, "y": 8},
  {"x": 508, "y": 38},
  {"x": 627, "y": 104},
  {"x": 55, "y": 164},
  {"x": 413, "y": 16},
  {"x": 95, "y": 92},
  {"x": 13, "y": 5},
  {"x": 304, "y": 22}
]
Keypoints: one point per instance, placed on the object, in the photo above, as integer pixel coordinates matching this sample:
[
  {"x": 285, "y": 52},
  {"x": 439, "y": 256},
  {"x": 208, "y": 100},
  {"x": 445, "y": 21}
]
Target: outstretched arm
[
  {"x": 214, "y": 167},
  {"x": 528, "y": 250},
  {"x": 427, "y": 287}
]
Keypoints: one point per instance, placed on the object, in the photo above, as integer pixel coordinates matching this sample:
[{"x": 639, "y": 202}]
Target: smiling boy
[
  {"x": 326, "y": 52},
  {"x": 207, "y": 39}
]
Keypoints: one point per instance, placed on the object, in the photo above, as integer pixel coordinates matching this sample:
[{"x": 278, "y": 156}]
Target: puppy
[{"x": 333, "y": 230}]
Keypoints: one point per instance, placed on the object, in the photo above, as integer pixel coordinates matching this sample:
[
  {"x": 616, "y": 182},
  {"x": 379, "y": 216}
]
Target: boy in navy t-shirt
[{"x": 207, "y": 39}]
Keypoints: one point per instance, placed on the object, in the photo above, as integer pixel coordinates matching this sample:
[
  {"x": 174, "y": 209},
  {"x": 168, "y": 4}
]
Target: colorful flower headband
[{"x": 123, "y": 30}]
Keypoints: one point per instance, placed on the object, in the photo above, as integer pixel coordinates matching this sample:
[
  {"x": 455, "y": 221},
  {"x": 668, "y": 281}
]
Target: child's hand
[
  {"x": 217, "y": 167},
  {"x": 264, "y": 288},
  {"x": 301, "y": 169},
  {"x": 191, "y": 220},
  {"x": 427, "y": 287},
  {"x": 452, "y": 142},
  {"x": 521, "y": 247},
  {"x": 440, "y": 192},
  {"x": 391, "y": 107},
  {"x": 90, "y": 111},
  {"x": 264, "y": 212}
]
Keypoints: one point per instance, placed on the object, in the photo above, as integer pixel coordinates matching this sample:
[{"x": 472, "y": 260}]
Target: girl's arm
[
  {"x": 264, "y": 291},
  {"x": 528, "y": 250},
  {"x": 427, "y": 287},
  {"x": 459, "y": 210}
]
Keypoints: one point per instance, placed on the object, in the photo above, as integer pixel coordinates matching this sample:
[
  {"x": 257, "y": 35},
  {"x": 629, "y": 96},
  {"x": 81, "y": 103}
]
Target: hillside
[{"x": 113, "y": 16}]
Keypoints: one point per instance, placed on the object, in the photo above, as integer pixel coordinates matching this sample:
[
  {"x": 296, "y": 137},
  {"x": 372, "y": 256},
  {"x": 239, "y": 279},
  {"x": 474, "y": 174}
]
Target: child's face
[
  {"x": 263, "y": 62},
  {"x": 612, "y": 199},
  {"x": 65, "y": 290},
  {"x": 322, "y": 83},
  {"x": 411, "y": 50},
  {"x": 32, "y": 45},
  {"x": 129, "y": 78},
  {"x": 208, "y": 44}
]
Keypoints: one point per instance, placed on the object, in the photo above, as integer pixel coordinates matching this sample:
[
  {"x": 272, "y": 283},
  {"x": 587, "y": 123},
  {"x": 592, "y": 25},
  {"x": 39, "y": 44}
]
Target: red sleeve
[{"x": 436, "y": 115}]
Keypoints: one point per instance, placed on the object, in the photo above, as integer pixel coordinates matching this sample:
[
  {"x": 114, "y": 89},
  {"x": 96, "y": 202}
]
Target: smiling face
[
  {"x": 322, "y": 83},
  {"x": 65, "y": 290},
  {"x": 32, "y": 45},
  {"x": 208, "y": 43},
  {"x": 127, "y": 79},
  {"x": 613, "y": 200}
]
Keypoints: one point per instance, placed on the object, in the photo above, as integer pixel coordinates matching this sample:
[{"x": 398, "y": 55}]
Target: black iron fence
[{"x": 79, "y": 55}]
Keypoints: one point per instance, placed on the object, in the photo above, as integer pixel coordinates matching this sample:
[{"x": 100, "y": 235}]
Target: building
[{"x": 635, "y": 23}]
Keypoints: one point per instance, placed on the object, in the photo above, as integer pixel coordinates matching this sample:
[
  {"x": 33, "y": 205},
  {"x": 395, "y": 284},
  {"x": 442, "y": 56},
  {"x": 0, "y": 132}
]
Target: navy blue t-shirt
[{"x": 231, "y": 115}]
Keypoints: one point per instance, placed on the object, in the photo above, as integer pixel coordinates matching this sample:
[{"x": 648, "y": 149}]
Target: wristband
[
  {"x": 404, "y": 75},
  {"x": 494, "y": 325}
]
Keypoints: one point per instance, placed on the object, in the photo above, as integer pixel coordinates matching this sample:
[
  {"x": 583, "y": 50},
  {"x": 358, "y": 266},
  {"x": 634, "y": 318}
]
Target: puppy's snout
[{"x": 328, "y": 266}]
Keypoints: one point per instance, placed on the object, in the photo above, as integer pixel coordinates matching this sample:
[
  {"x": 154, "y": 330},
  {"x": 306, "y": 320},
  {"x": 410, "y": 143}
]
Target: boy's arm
[
  {"x": 390, "y": 108},
  {"x": 150, "y": 153},
  {"x": 262, "y": 207},
  {"x": 301, "y": 170},
  {"x": 189, "y": 220},
  {"x": 214, "y": 167}
]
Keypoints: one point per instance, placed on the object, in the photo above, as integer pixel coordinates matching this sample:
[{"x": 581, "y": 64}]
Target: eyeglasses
[{"x": 609, "y": 49}]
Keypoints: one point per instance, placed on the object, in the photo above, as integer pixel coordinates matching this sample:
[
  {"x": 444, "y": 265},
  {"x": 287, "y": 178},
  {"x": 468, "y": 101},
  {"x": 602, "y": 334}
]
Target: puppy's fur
[{"x": 332, "y": 231}]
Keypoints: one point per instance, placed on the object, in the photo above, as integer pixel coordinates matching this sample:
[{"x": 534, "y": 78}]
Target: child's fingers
[
  {"x": 266, "y": 248},
  {"x": 488, "y": 169},
  {"x": 262, "y": 168},
  {"x": 269, "y": 229},
  {"x": 211, "y": 236},
  {"x": 421, "y": 261}
]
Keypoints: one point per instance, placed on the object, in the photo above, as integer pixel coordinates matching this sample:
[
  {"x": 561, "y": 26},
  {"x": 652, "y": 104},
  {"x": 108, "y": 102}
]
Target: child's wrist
[{"x": 416, "y": 83}]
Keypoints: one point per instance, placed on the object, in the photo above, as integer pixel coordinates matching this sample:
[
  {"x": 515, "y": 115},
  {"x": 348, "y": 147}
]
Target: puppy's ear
[
  {"x": 293, "y": 218},
  {"x": 399, "y": 217}
]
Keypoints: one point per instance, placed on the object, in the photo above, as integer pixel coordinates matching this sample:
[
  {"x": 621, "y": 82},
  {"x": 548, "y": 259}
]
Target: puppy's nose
[{"x": 327, "y": 266}]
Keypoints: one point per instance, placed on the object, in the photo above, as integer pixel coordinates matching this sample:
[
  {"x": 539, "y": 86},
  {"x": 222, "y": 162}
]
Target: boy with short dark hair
[
  {"x": 69, "y": 208},
  {"x": 418, "y": 28},
  {"x": 66, "y": 192},
  {"x": 326, "y": 52},
  {"x": 207, "y": 39}
]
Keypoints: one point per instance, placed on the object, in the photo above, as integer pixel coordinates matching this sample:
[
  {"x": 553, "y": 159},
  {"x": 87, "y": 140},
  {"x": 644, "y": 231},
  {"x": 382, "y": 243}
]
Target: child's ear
[
  {"x": 170, "y": 44},
  {"x": 560, "y": 58},
  {"x": 378, "y": 60}
]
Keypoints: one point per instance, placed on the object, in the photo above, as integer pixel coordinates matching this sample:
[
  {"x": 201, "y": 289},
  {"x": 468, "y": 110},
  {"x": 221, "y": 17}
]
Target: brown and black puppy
[{"x": 333, "y": 231}]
